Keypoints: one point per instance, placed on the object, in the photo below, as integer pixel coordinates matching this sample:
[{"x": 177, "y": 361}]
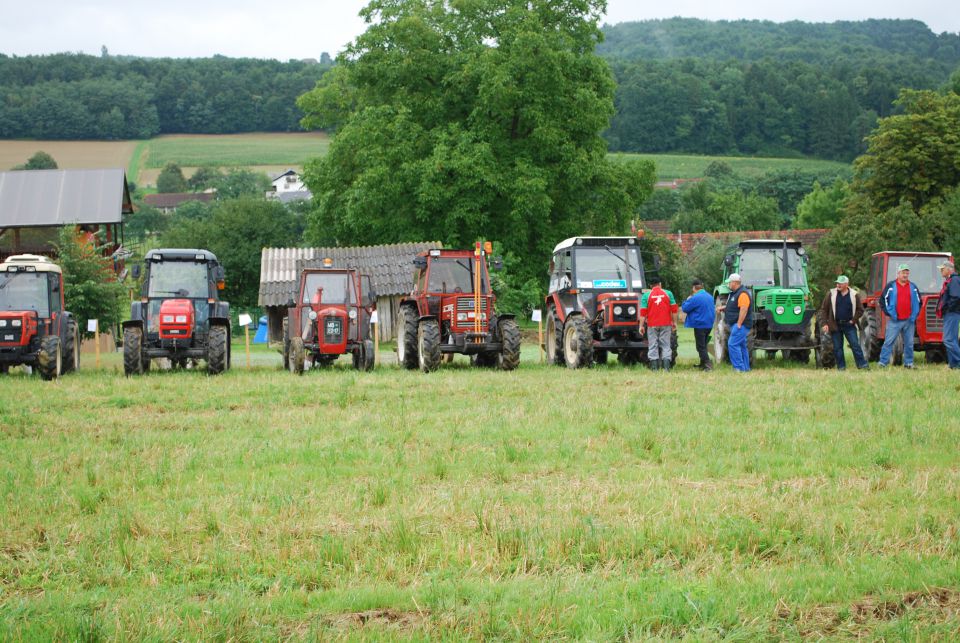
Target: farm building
[
  {"x": 35, "y": 204},
  {"x": 390, "y": 268},
  {"x": 168, "y": 202},
  {"x": 287, "y": 187}
]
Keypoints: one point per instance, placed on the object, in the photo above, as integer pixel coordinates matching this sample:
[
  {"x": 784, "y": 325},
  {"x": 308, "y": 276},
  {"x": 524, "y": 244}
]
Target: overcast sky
[{"x": 242, "y": 28}]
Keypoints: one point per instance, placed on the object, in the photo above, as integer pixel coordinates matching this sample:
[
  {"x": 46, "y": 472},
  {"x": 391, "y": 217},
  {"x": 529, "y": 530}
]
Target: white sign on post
[
  {"x": 536, "y": 315},
  {"x": 91, "y": 325},
  {"x": 373, "y": 318},
  {"x": 245, "y": 319}
]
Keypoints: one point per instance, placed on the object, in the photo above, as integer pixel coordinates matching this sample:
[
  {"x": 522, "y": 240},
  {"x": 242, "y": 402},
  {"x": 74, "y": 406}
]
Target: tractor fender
[
  {"x": 136, "y": 311},
  {"x": 426, "y": 317},
  {"x": 133, "y": 323},
  {"x": 220, "y": 321},
  {"x": 506, "y": 316}
]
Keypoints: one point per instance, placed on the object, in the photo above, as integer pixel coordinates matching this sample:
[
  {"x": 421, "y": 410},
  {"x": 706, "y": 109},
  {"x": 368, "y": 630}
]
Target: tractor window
[
  {"x": 187, "y": 279},
  {"x": 25, "y": 291},
  {"x": 330, "y": 288},
  {"x": 454, "y": 274},
  {"x": 923, "y": 272},
  {"x": 876, "y": 274},
  {"x": 602, "y": 268},
  {"x": 764, "y": 267}
]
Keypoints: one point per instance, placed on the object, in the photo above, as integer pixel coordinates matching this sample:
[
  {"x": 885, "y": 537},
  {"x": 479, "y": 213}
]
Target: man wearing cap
[
  {"x": 739, "y": 320},
  {"x": 698, "y": 308},
  {"x": 840, "y": 312},
  {"x": 948, "y": 309},
  {"x": 901, "y": 304},
  {"x": 658, "y": 311}
]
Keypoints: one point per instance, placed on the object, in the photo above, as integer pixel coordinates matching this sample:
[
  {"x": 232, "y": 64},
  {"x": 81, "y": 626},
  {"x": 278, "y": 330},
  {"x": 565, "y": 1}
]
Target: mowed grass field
[
  {"x": 607, "y": 504},
  {"x": 680, "y": 166}
]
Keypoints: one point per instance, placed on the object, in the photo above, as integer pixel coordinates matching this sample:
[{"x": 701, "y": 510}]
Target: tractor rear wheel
[
  {"x": 218, "y": 348},
  {"x": 553, "y": 339},
  {"x": 509, "y": 357},
  {"x": 363, "y": 356},
  {"x": 577, "y": 342},
  {"x": 870, "y": 340},
  {"x": 132, "y": 351},
  {"x": 71, "y": 348},
  {"x": 297, "y": 356},
  {"x": 50, "y": 360},
  {"x": 428, "y": 345},
  {"x": 407, "y": 337},
  {"x": 936, "y": 355},
  {"x": 286, "y": 345}
]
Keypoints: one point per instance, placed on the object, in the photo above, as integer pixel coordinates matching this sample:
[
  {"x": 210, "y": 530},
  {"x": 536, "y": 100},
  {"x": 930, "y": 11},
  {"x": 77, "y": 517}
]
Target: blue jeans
[
  {"x": 896, "y": 327},
  {"x": 737, "y": 348},
  {"x": 951, "y": 326},
  {"x": 848, "y": 330}
]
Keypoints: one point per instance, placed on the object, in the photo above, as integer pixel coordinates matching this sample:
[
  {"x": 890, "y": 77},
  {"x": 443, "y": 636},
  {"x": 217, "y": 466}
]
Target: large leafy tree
[{"x": 471, "y": 119}]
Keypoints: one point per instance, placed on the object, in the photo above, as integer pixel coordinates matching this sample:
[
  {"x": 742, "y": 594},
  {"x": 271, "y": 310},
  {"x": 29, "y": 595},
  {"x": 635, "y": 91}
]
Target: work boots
[{"x": 666, "y": 364}]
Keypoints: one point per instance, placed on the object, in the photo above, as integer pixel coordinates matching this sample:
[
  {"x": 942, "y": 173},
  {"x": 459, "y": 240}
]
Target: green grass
[
  {"x": 235, "y": 149},
  {"x": 678, "y": 166},
  {"x": 136, "y": 160},
  {"x": 471, "y": 504}
]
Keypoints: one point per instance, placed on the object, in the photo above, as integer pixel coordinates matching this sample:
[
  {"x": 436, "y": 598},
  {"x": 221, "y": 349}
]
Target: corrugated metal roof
[
  {"x": 33, "y": 198},
  {"x": 390, "y": 267}
]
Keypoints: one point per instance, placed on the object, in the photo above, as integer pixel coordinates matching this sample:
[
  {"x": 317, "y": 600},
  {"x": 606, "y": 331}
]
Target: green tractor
[{"x": 775, "y": 272}]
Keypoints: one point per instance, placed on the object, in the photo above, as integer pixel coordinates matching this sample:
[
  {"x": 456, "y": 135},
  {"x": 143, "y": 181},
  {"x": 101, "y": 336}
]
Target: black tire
[
  {"x": 674, "y": 347},
  {"x": 297, "y": 357},
  {"x": 897, "y": 358},
  {"x": 825, "y": 357},
  {"x": 802, "y": 356},
  {"x": 553, "y": 339},
  {"x": 407, "y": 337},
  {"x": 509, "y": 357},
  {"x": 71, "y": 348},
  {"x": 629, "y": 358},
  {"x": 50, "y": 359},
  {"x": 369, "y": 355},
  {"x": 286, "y": 345},
  {"x": 132, "y": 351},
  {"x": 771, "y": 354},
  {"x": 600, "y": 356},
  {"x": 720, "y": 334},
  {"x": 936, "y": 356},
  {"x": 4, "y": 369},
  {"x": 484, "y": 360},
  {"x": 428, "y": 345},
  {"x": 577, "y": 342},
  {"x": 218, "y": 349},
  {"x": 870, "y": 340}
]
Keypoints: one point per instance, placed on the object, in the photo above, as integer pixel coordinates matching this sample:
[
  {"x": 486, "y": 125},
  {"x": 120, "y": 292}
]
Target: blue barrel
[{"x": 261, "y": 336}]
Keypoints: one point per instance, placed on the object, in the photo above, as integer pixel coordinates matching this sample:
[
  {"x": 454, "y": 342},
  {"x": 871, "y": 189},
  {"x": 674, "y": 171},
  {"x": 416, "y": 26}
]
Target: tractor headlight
[
  {"x": 779, "y": 310},
  {"x": 352, "y": 314},
  {"x": 167, "y": 319},
  {"x": 3, "y": 323},
  {"x": 181, "y": 319},
  {"x": 797, "y": 310},
  {"x": 632, "y": 310},
  {"x": 16, "y": 323},
  {"x": 618, "y": 310},
  {"x": 312, "y": 315},
  {"x": 461, "y": 317}
]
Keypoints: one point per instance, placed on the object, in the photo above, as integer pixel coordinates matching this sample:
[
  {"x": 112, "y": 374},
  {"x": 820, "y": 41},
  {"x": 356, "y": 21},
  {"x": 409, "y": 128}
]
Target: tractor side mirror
[
  {"x": 728, "y": 261},
  {"x": 420, "y": 262},
  {"x": 136, "y": 271}
]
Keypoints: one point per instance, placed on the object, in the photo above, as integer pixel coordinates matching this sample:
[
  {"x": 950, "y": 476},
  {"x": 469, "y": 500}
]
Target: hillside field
[{"x": 543, "y": 504}]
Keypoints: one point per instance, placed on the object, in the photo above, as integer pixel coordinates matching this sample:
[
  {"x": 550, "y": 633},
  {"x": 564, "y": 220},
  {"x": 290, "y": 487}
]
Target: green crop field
[
  {"x": 679, "y": 166},
  {"x": 608, "y": 504}
]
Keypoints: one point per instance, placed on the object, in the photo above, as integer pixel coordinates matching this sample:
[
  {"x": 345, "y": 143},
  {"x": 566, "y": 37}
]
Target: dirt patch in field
[
  {"x": 69, "y": 154},
  {"x": 378, "y": 617}
]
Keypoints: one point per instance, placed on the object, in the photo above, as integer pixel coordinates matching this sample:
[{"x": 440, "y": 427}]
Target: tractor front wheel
[
  {"x": 71, "y": 348},
  {"x": 428, "y": 345},
  {"x": 553, "y": 338},
  {"x": 218, "y": 350},
  {"x": 407, "y": 337},
  {"x": 824, "y": 352},
  {"x": 870, "y": 340},
  {"x": 50, "y": 360},
  {"x": 363, "y": 356},
  {"x": 577, "y": 342},
  {"x": 132, "y": 351},
  {"x": 297, "y": 356},
  {"x": 509, "y": 357},
  {"x": 286, "y": 345}
]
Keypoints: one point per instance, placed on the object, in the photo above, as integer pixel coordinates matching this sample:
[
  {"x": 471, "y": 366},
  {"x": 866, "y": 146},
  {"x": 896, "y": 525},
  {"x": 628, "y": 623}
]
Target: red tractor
[
  {"x": 451, "y": 310},
  {"x": 330, "y": 318},
  {"x": 35, "y": 330},
  {"x": 925, "y": 274}
]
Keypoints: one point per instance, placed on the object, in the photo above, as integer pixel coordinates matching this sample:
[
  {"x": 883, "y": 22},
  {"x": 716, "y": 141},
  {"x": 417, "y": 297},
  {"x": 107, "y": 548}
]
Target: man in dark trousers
[
  {"x": 840, "y": 312},
  {"x": 901, "y": 304},
  {"x": 698, "y": 308},
  {"x": 948, "y": 309}
]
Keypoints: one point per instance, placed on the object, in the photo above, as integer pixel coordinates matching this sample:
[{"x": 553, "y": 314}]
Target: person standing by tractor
[
  {"x": 901, "y": 303},
  {"x": 840, "y": 313},
  {"x": 739, "y": 320},
  {"x": 698, "y": 308},
  {"x": 658, "y": 314},
  {"x": 948, "y": 309}
]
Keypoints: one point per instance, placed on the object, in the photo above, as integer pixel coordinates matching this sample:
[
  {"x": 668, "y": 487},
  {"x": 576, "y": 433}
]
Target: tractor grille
[
  {"x": 332, "y": 329},
  {"x": 934, "y": 325},
  {"x": 465, "y": 304},
  {"x": 8, "y": 334},
  {"x": 786, "y": 300}
]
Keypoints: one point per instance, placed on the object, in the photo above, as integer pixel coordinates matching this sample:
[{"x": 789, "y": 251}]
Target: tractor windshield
[
  {"x": 187, "y": 279},
  {"x": 764, "y": 267},
  {"x": 603, "y": 268},
  {"x": 330, "y": 288},
  {"x": 25, "y": 291},
  {"x": 454, "y": 274},
  {"x": 923, "y": 271}
]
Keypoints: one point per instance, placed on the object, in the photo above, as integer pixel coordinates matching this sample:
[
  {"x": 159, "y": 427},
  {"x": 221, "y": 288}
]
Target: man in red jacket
[{"x": 658, "y": 310}]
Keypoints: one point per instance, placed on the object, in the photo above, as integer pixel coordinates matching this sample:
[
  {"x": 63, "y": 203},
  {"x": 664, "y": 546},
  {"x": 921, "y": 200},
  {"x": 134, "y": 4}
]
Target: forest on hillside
[{"x": 683, "y": 85}]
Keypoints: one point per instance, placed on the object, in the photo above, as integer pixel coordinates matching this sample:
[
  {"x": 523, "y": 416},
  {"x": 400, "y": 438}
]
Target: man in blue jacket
[
  {"x": 698, "y": 308},
  {"x": 948, "y": 309},
  {"x": 901, "y": 304}
]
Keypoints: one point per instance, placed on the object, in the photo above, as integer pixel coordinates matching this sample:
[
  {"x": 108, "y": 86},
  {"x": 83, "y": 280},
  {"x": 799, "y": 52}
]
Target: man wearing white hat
[
  {"x": 739, "y": 320},
  {"x": 948, "y": 309},
  {"x": 840, "y": 311}
]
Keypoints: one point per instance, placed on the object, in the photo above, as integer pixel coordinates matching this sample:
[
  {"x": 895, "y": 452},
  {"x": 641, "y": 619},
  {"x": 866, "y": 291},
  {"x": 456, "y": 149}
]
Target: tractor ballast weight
[
  {"x": 593, "y": 302},
  {"x": 928, "y": 333},
  {"x": 35, "y": 330},
  {"x": 775, "y": 273},
  {"x": 330, "y": 318},
  {"x": 451, "y": 310},
  {"x": 179, "y": 315}
]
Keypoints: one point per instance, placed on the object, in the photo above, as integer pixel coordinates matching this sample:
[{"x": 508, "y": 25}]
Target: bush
[{"x": 90, "y": 288}]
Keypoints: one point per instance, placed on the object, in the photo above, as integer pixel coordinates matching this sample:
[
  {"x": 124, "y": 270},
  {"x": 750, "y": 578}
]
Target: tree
[
  {"x": 39, "y": 161},
  {"x": 479, "y": 120},
  {"x": 729, "y": 210},
  {"x": 171, "y": 179},
  {"x": 822, "y": 208},
  {"x": 90, "y": 288}
]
